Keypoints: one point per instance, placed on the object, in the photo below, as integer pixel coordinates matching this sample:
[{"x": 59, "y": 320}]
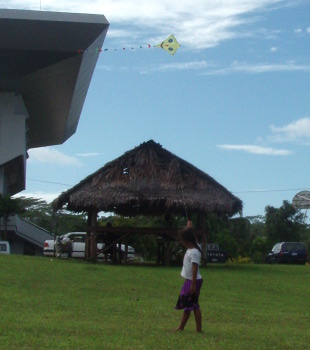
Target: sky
[{"x": 234, "y": 100}]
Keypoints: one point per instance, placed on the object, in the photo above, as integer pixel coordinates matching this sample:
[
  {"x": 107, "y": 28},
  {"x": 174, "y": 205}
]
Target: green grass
[{"x": 53, "y": 304}]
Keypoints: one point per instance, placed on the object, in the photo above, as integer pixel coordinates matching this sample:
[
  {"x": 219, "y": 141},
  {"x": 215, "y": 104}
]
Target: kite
[{"x": 170, "y": 45}]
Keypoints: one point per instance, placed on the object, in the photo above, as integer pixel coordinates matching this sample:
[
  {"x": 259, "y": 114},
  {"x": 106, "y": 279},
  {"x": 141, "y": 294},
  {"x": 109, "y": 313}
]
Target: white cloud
[
  {"x": 192, "y": 65},
  {"x": 210, "y": 68},
  {"x": 298, "y": 30},
  {"x": 91, "y": 154},
  {"x": 273, "y": 49},
  {"x": 298, "y": 130},
  {"x": 119, "y": 33},
  {"x": 52, "y": 156},
  {"x": 48, "y": 197},
  {"x": 200, "y": 24},
  {"x": 243, "y": 67},
  {"x": 308, "y": 30},
  {"x": 184, "y": 66},
  {"x": 254, "y": 149}
]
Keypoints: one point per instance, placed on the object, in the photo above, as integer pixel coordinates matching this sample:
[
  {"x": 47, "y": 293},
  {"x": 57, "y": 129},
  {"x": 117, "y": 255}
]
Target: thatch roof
[{"x": 149, "y": 180}]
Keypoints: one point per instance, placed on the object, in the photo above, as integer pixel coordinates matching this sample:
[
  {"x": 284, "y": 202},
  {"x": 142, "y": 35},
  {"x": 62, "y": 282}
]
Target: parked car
[
  {"x": 4, "y": 247},
  {"x": 288, "y": 252},
  {"x": 215, "y": 254},
  {"x": 73, "y": 244}
]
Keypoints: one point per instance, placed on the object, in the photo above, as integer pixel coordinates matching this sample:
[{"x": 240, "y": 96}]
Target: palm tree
[{"x": 8, "y": 206}]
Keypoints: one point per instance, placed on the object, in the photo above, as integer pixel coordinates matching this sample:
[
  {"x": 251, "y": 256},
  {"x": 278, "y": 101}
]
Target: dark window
[{"x": 3, "y": 247}]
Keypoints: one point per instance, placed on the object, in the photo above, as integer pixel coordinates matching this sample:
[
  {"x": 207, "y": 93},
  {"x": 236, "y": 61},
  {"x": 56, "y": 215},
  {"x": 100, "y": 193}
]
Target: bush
[
  {"x": 259, "y": 250},
  {"x": 241, "y": 260},
  {"x": 227, "y": 242},
  {"x": 258, "y": 257}
]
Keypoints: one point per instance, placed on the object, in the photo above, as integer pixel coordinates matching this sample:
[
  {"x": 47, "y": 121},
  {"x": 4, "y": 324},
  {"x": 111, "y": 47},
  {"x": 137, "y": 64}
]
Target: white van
[{"x": 4, "y": 247}]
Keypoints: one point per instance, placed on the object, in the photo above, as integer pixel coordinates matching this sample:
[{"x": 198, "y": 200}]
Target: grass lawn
[{"x": 53, "y": 304}]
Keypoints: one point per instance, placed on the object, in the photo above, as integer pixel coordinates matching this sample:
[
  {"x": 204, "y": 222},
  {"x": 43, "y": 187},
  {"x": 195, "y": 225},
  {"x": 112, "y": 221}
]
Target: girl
[{"x": 188, "y": 299}]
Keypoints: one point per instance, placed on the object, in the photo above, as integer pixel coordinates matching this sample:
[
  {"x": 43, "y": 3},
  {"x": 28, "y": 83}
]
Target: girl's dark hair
[{"x": 188, "y": 235}]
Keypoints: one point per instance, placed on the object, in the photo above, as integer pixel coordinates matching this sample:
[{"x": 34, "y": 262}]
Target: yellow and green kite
[{"x": 170, "y": 45}]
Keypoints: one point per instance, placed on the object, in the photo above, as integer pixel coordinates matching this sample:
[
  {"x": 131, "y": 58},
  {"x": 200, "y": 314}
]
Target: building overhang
[{"x": 48, "y": 58}]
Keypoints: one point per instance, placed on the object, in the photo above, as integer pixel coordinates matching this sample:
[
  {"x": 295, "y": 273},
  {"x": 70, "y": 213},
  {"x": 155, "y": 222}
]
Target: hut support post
[
  {"x": 126, "y": 253},
  {"x": 158, "y": 252},
  {"x": 118, "y": 253},
  {"x": 201, "y": 223},
  {"x": 163, "y": 252},
  {"x": 93, "y": 237},
  {"x": 167, "y": 251},
  {"x": 87, "y": 238}
]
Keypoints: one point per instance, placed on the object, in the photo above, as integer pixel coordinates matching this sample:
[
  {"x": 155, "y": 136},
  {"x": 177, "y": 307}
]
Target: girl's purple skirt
[{"x": 186, "y": 300}]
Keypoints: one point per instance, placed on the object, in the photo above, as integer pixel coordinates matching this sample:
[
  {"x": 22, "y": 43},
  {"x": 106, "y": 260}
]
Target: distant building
[{"x": 25, "y": 237}]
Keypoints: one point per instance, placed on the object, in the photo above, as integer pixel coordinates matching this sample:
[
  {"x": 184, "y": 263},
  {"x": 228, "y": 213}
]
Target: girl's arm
[{"x": 194, "y": 278}]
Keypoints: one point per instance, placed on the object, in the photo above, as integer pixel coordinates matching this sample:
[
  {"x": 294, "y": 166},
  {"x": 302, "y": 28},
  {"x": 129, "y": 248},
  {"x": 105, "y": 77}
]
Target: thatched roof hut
[{"x": 149, "y": 180}]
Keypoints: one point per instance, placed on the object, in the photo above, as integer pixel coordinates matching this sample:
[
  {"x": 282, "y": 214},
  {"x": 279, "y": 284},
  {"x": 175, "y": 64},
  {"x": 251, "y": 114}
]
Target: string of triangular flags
[{"x": 170, "y": 45}]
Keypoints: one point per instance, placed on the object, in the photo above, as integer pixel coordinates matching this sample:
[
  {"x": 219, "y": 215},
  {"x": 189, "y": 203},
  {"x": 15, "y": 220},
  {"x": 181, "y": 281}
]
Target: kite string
[
  {"x": 119, "y": 49},
  {"x": 170, "y": 45},
  {"x": 181, "y": 184}
]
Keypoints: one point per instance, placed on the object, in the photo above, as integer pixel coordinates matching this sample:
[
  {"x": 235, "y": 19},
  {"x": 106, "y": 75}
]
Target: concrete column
[
  {"x": 2, "y": 182},
  {"x": 13, "y": 138}
]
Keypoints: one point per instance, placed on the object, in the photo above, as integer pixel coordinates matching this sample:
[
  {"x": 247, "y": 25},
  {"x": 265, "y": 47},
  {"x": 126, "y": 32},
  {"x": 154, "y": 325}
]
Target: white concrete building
[{"x": 46, "y": 63}]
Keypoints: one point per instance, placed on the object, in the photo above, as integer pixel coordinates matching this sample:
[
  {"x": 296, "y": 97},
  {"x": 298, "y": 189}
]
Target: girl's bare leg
[
  {"x": 184, "y": 319},
  {"x": 198, "y": 319}
]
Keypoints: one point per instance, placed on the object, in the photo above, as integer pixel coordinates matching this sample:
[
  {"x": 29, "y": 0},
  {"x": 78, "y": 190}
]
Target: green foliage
[
  {"x": 240, "y": 230},
  {"x": 64, "y": 222},
  {"x": 227, "y": 242},
  {"x": 258, "y": 257},
  {"x": 9, "y": 206},
  {"x": 254, "y": 236},
  {"x": 52, "y": 304},
  {"x": 240, "y": 260},
  {"x": 41, "y": 213},
  {"x": 284, "y": 224},
  {"x": 37, "y": 211},
  {"x": 233, "y": 235},
  {"x": 246, "y": 237},
  {"x": 259, "y": 250}
]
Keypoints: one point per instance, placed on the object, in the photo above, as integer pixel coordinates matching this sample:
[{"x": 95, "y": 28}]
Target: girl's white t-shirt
[{"x": 191, "y": 256}]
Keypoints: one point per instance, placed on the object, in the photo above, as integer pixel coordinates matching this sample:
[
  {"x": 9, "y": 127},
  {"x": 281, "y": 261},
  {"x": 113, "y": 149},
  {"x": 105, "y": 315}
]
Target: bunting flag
[{"x": 170, "y": 45}]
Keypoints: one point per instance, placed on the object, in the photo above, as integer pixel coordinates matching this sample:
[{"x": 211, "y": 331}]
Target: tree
[
  {"x": 8, "y": 207},
  {"x": 283, "y": 224},
  {"x": 41, "y": 213},
  {"x": 37, "y": 211},
  {"x": 227, "y": 242},
  {"x": 240, "y": 229}
]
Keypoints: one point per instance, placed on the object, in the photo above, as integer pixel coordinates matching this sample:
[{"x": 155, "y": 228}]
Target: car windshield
[
  {"x": 276, "y": 247},
  {"x": 293, "y": 246}
]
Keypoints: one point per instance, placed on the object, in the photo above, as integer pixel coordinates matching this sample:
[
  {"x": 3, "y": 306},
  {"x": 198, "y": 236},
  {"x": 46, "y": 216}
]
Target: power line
[
  {"x": 235, "y": 192},
  {"x": 278, "y": 190},
  {"x": 49, "y": 182}
]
